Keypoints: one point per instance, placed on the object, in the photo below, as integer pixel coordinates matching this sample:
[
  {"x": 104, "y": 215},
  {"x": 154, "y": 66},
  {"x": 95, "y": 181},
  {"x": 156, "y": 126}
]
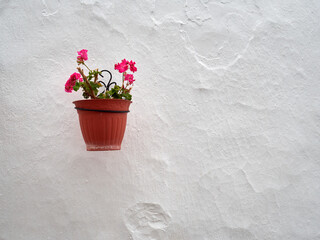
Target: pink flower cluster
[
  {"x": 132, "y": 67},
  {"x": 68, "y": 87},
  {"x": 129, "y": 78},
  {"x": 82, "y": 56},
  {"x": 123, "y": 67}
]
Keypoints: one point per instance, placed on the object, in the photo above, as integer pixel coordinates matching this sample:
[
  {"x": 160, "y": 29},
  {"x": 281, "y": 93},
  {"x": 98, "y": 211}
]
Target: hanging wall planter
[
  {"x": 103, "y": 122},
  {"x": 103, "y": 117}
]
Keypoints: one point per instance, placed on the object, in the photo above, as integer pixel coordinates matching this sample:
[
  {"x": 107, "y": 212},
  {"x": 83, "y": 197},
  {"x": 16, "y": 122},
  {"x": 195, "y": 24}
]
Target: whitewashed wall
[{"x": 222, "y": 140}]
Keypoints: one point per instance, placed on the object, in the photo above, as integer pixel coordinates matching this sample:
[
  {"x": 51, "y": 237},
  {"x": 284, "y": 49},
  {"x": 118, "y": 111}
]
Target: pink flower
[
  {"x": 75, "y": 76},
  {"x": 82, "y": 56},
  {"x": 122, "y": 67},
  {"x": 68, "y": 87},
  {"x": 132, "y": 67},
  {"x": 124, "y": 61},
  {"x": 129, "y": 78}
]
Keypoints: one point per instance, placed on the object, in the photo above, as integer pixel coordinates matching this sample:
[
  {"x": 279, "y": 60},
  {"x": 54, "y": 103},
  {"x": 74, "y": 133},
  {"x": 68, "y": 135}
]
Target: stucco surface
[{"x": 222, "y": 141}]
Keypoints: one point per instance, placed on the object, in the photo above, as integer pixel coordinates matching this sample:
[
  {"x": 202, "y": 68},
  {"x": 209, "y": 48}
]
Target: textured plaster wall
[{"x": 222, "y": 140}]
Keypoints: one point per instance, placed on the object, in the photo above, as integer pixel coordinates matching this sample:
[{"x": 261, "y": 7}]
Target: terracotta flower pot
[{"x": 103, "y": 122}]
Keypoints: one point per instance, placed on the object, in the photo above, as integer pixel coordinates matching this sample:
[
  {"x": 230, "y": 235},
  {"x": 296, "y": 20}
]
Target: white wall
[{"x": 222, "y": 140}]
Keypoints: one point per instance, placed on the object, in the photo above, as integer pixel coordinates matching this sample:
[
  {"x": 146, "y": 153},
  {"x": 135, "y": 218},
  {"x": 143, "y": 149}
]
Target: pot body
[{"x": 103, "y": 122}]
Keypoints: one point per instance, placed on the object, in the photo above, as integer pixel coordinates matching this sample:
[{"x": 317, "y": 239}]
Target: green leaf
[
  {"x": 101, "y": 96},
  {"x": 107, "y": 96},
  {"x": 85, "y": 95},
  {"x": 77, "y": 86},
  {"x": 127, "y": 96},
  {"x": 114, "y": 93},
  {"x": 94, "y": 85}
]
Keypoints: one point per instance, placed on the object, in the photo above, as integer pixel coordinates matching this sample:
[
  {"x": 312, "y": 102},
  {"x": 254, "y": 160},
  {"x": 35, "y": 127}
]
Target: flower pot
[{"x": 103, "y": 122}]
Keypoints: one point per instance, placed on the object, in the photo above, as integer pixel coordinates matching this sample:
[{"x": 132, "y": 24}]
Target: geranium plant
[{"x": 90, "y": 84}]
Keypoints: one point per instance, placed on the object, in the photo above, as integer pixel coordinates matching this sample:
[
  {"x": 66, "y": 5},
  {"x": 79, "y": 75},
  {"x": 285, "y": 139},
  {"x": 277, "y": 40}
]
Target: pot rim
[{"x": 98, "y": 99}]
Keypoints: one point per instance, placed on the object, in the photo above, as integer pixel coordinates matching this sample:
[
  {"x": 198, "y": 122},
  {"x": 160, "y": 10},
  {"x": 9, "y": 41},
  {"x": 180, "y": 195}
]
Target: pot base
[{"x": 103, "y": 148}]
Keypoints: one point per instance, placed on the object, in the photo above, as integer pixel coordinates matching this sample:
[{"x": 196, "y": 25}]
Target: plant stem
[
  {"x": 86, "y": 80},
  {"x": 96, "y": 77},
  {"x": 121, "y": 89},
  {"x": 123, "y": 76},
  {"x": 86, "y": 66}
]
